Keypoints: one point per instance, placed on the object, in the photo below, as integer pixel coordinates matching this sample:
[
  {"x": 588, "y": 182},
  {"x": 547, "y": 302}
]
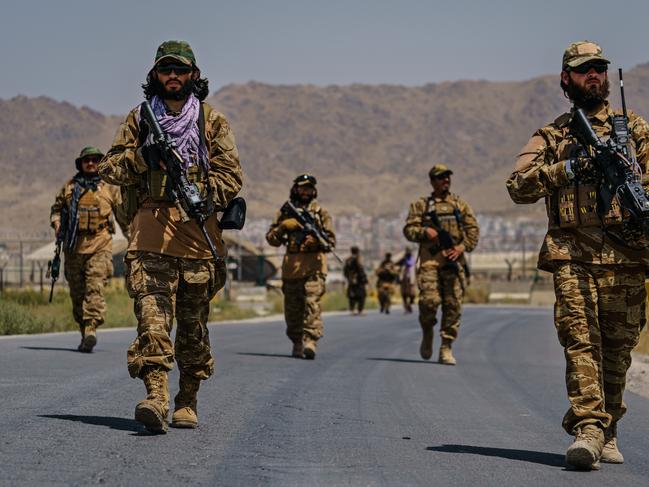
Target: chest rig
[
  {"x": 295, "y": 241},
  {"x": 447, "y": 215},
  {"x": 576, "y": 205},
  {"x": 89, "y": 216},
  {"x": 153, "y": 186}
]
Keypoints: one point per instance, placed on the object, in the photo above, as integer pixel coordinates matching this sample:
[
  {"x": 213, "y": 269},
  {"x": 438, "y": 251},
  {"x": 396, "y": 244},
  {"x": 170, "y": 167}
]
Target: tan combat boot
[
  {"x": 298, "y": 350},
  {"x": 152, "y": 411},
  {"x": 426, "y": 347},
  {"x": 585, "y": 452},
  {"x": 610, "y": 452},
  {"x": 185, "y": 415},
  {"x": 310, "y": 348},
  {"x": 446, "y": 354},
  {"x": 88, "y": 338}
]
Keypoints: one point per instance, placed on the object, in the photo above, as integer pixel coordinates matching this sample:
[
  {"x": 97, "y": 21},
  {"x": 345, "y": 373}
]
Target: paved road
[{"x": 366, "y": 412}]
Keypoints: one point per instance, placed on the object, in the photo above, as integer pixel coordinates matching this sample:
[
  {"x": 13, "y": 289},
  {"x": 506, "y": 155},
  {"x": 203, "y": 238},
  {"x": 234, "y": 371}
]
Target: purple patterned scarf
[{"x": 183, "y": 129}]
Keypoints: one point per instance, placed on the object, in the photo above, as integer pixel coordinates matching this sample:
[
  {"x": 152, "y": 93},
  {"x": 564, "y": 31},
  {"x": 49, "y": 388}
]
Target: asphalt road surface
[{"x": 366, "y": 412}]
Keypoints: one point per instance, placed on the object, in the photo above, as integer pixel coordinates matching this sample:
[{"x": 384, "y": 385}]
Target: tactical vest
[
  {"x": 292, "y": 245},
  {"x": 90, "y": 219},
  {"x": 450, "y": 219},
  {"x": 576, "y": 205},
  {"x": 153, "y": 185}
]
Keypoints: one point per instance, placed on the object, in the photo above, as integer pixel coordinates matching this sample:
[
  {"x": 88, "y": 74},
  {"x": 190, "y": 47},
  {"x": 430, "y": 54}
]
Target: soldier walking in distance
[
  {"x": 356, "y": 281},
  {"x": 170, "y": 267},
  {"x": 85, "y": 210},
  {"x": 305, "y": 265},
  {"x": 445, "y": 227},
  {"x": 387, "y": 275},
  {"x": 407, "y": 280},
  {"x": 599, "y": 272}
]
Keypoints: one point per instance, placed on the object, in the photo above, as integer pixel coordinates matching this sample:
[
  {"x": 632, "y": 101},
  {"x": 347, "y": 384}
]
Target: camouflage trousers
[
  {"x": 162, "y": 287},
  {"x": 385, "y": 290},
  {"x": 302, "y": 307},
  {"x": 598, "y": 314},
  {"x": 356, "y": 295},
  {"x": 441, "y": 286},
  {"x": 87, "y": 275}
]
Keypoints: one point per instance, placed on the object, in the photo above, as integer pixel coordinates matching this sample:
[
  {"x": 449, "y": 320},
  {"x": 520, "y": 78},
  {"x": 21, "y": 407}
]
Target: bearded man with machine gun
[
  {"x": 588, "y": 166},
  {"x": 306, "y": 229},
  {"x": 177, "y": 163}
]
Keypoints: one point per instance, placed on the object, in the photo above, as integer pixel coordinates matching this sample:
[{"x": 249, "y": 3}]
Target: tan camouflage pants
[
  {"x": 441, "y": 286},
  {"x": 161, "y": 285},
  {"x": 598, "y": 314},
  {"x": 87, "y": 275},
  {"x": 385, "y": 290},
  {"x": 302, "y": 307}
]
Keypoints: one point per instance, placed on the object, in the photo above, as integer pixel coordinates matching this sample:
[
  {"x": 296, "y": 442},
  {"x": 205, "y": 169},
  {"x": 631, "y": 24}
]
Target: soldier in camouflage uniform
[
  {"x": 356, "y": 281},
  {"x": 89, "y": 207},
  {"x": 304, "y": 267},
  {"x": 170, "y": 269},
  {"x": 441, "y": 276},
  {"x": 598, "y": 274},
  {"x": 387, "y": 275}
]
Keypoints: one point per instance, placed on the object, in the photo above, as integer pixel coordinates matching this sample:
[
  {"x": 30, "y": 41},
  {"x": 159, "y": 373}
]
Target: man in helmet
[
  {"x": 304, "y": 267},
  {"x": 433, "y": 221},
  {"x": 356, "y": 281},
  {"x": 169, "y": 264},
  {"x": 599, "y": 272},
  {"x": 85, "y": 210}
]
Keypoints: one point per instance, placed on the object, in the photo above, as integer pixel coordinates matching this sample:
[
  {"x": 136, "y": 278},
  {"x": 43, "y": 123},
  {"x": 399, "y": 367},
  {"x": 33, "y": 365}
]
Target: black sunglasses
[
  {"x": 93, "y": 159},
  {"x": 441, "y": 177},
  {"x": 586, "y": 67},
  {"x": 177, "y": 68}
]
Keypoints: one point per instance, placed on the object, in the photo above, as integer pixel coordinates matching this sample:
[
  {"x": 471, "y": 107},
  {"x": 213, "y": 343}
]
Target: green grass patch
[{"x": 28, "y": 311}]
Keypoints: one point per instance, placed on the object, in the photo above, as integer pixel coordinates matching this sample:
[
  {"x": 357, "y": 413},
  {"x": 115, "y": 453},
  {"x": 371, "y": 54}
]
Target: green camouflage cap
[
  {"x": 438, "y": 170},
  {"x": 178, "y": 50},
  {"x": 88, "y": 151},
  {"x": 581, "y": 52}
]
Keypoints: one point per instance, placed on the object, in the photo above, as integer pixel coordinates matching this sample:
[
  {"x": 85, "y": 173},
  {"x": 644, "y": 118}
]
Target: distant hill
[{"x": 369, "y": 146}]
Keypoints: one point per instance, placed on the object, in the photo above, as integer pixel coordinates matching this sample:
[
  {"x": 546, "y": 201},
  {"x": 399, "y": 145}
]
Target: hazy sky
[{"x": 97, "y": 53}]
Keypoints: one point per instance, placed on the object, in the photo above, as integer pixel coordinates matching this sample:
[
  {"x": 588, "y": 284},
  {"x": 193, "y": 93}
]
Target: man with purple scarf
[{"x": 170, "y": 269}]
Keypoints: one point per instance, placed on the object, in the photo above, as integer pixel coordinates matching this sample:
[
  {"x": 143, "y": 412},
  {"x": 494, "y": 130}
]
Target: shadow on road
[
  {"x": 52, "y": 348},
  {"x": 544, "y": 458},
  {"x": 404, "y": 360},
  {"x": 253, "y": 354},
  {"x": 121, "y": 424}
]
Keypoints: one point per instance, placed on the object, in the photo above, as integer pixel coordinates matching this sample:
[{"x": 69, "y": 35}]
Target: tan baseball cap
[
  {"x": 438, "y": 170},
  {"x": 581, "y": 52}
]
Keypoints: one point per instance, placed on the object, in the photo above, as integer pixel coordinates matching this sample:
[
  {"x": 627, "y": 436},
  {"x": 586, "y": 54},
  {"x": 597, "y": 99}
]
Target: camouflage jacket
[
  {"x": 308, "y": 257},
  {"x": 540, "y": 172},
  {"x": 386, "y": 273},
  {"x": 97, "y": 211},
  {"x": 354, "y": 272},
  {"x": 156, "y": 225},
  {"x": 455, "y": 216}
]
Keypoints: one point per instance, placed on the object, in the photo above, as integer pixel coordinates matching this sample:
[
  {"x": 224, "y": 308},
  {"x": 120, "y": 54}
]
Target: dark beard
[
  {"x": 181, "y": 94},
  {"x": 588, "y": 98}
]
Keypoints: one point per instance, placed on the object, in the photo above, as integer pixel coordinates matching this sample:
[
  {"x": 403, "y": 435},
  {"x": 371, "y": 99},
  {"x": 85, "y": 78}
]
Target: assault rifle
[
  {"x": 620, "y": 172},
  {"x": 186, "y": 195},
  {"x": 54, "y": 265},
  {"x": 431, "y": 220},
  {"x": 309, "y": 227}
]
